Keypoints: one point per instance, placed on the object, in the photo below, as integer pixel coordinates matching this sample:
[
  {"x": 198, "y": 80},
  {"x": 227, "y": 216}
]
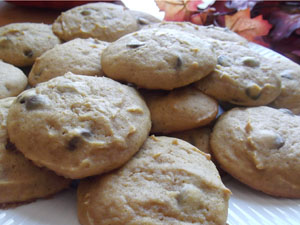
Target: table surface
[{"x": 10, "y": 13}]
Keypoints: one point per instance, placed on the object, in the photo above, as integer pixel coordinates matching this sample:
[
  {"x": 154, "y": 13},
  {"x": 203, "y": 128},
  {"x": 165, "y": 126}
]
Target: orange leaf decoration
[
  {"x": 178, "y": 10},
  {"x": 244, "y": 25}
]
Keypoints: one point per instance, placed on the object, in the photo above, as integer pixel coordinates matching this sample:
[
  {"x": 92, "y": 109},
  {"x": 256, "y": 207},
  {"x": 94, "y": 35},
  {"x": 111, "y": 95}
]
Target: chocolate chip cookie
[
  {"x": 104, "y": 21},
  {"x": 260, "y": 147},
  {"x": 79, "y": 126},
  {"x": 20, "y": 179},
  {"x": 158, "y": 58},
  {"x": 168, "y": 181},
  {"x": 79, "y": 56},
  {"x": 22, "y": 43}
]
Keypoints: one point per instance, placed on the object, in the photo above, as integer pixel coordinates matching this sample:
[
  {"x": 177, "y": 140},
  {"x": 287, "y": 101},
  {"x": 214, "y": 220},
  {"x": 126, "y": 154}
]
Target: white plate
[{"x": 246, "y": 206}]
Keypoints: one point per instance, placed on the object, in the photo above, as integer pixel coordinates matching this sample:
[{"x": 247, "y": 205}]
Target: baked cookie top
[
  {"x": 22, "y": 43},
  {"x": 260, "y": 147},
  {"x": 104, "y": 21},
  {"x": 168, "y": 181},
  {"x": 20, "y": 179},
  {"x": 79, "y": 56},
  {"x": 180, "y": 109},
  {"x": 199, "y": 137},
  {"x": 207, "y": 32},
  {"x": 158, "y": 58},
  {"x": 289, "y": 73},
  {"x": 242, "y": 76},
  {"x": 13, "y": 80},
  {"x": 79, "y": 126},
  {"x": 144, "y": 19}
]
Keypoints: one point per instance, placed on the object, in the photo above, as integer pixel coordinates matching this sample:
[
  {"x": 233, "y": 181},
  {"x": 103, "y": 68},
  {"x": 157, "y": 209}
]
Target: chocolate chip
[
  {"x": 28, "y": 53},
  {"x": 85, "y": 13},
  {"x": 10, "y": 146},
  {"x": 86, "y": 133},
  {"x": 287, "y": 111},
  {"x": 142, "y": 21},
  {"x": 279, "y": 142},
  {"x": 253, "y": 91},
  {"x": 135, "y": 45},
  {"x": 223, "y": 60},
  {"x": 178, "y": 63},
  {"x": 250, "y": 61},
  {"x": 73, "y": 143},
  {"x": 33, "y": 102}
]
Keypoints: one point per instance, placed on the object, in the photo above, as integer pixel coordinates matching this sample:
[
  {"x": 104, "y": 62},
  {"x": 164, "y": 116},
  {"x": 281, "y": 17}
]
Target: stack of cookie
[{"x": 119, "y": 76}]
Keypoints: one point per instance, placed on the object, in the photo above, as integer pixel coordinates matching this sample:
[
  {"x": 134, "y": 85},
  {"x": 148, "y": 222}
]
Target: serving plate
[{"x": 246, "y": 206}]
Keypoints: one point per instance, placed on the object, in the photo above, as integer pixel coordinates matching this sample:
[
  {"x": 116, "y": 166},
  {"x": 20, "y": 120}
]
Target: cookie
[
  {"x": 13, "y": 80},
  {"x": 180, "y": 109},
  {"x": 242, "y": 77},
  {"x": 22, "y": 43},
  {"x": 289, "y": 73},
  {"x": 168, "y": 182},
  {"x": 79, "y": 56},
  {"x": 144, "y": 19},
  {"x": 205, "y": 32},
  {"x": 260, "y": 147},
  {"x": 158, "y": 59},
  {"x": 79, "y": 126},
  {"x": 20, "y": 179},
  {"x": 199, "y": 137},
  {"x": 104, "y": 21}
]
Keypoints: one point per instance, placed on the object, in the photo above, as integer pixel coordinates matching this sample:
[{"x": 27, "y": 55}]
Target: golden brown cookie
[
  {"x": 79, "y": 125},
  {"x": 20, "y": 179},
  {"x": 180, "y": 109},
  {"x": 260, "y": 147},
  {"x": 79, "y": 56},
  {"x": 12, "y": 80},
  {"x": 199, "y": 137},
  {"x": 22, "y": 43},
  {"x": 289, "y": 73},
  {"x": 104, "y": 21},
  {"x": 205, "y": 32},
  {"x": 158, "y": 59},
  {"x": 241, "y": 77},
  {"x": 168, "y": 181}
]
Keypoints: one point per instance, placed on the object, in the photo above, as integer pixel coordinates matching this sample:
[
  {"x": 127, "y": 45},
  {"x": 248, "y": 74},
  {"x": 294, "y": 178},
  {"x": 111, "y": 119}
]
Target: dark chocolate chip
[
  {"x": 33, "y": 102},
  {"x": 73, "y": 143},
  {"x": 142, "y": 21},
  {"x": 287, "y": 111},
  {"x": 279, "y": 142},
  {"x": 135, "y": 45},
  {"x": 86, "y": 133},
  {"x": 178, "y": 63},
  {"x": 287, "y": 76},
  {"x": 85, "y": 13},
  {"x": 28, "y": 53}
]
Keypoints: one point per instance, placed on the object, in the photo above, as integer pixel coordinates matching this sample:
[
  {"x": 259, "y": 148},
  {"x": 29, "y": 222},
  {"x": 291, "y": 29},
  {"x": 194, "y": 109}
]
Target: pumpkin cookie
[
  {"x": 104, "y": 21},
  {"x": 180, "y": 109},
  {"x": 205, "y": 32},
  {"x": 289, "y": 73},
  {"x": 199, "y": 137},
  {"x": 169, "y": 181},
  {"x": 79, "y": 56},
  {"x": 79, "y": 126},
  {"x": 241, "y": 77},
  {"x": 13, "y": 80},
  {"x": 260, "y": 147},
  {"x": 22, "y": 43},
  {"x": 20, "y": 179},
  {"x": 144, "y": 19},
  {"x": 158, "y": 59}
]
